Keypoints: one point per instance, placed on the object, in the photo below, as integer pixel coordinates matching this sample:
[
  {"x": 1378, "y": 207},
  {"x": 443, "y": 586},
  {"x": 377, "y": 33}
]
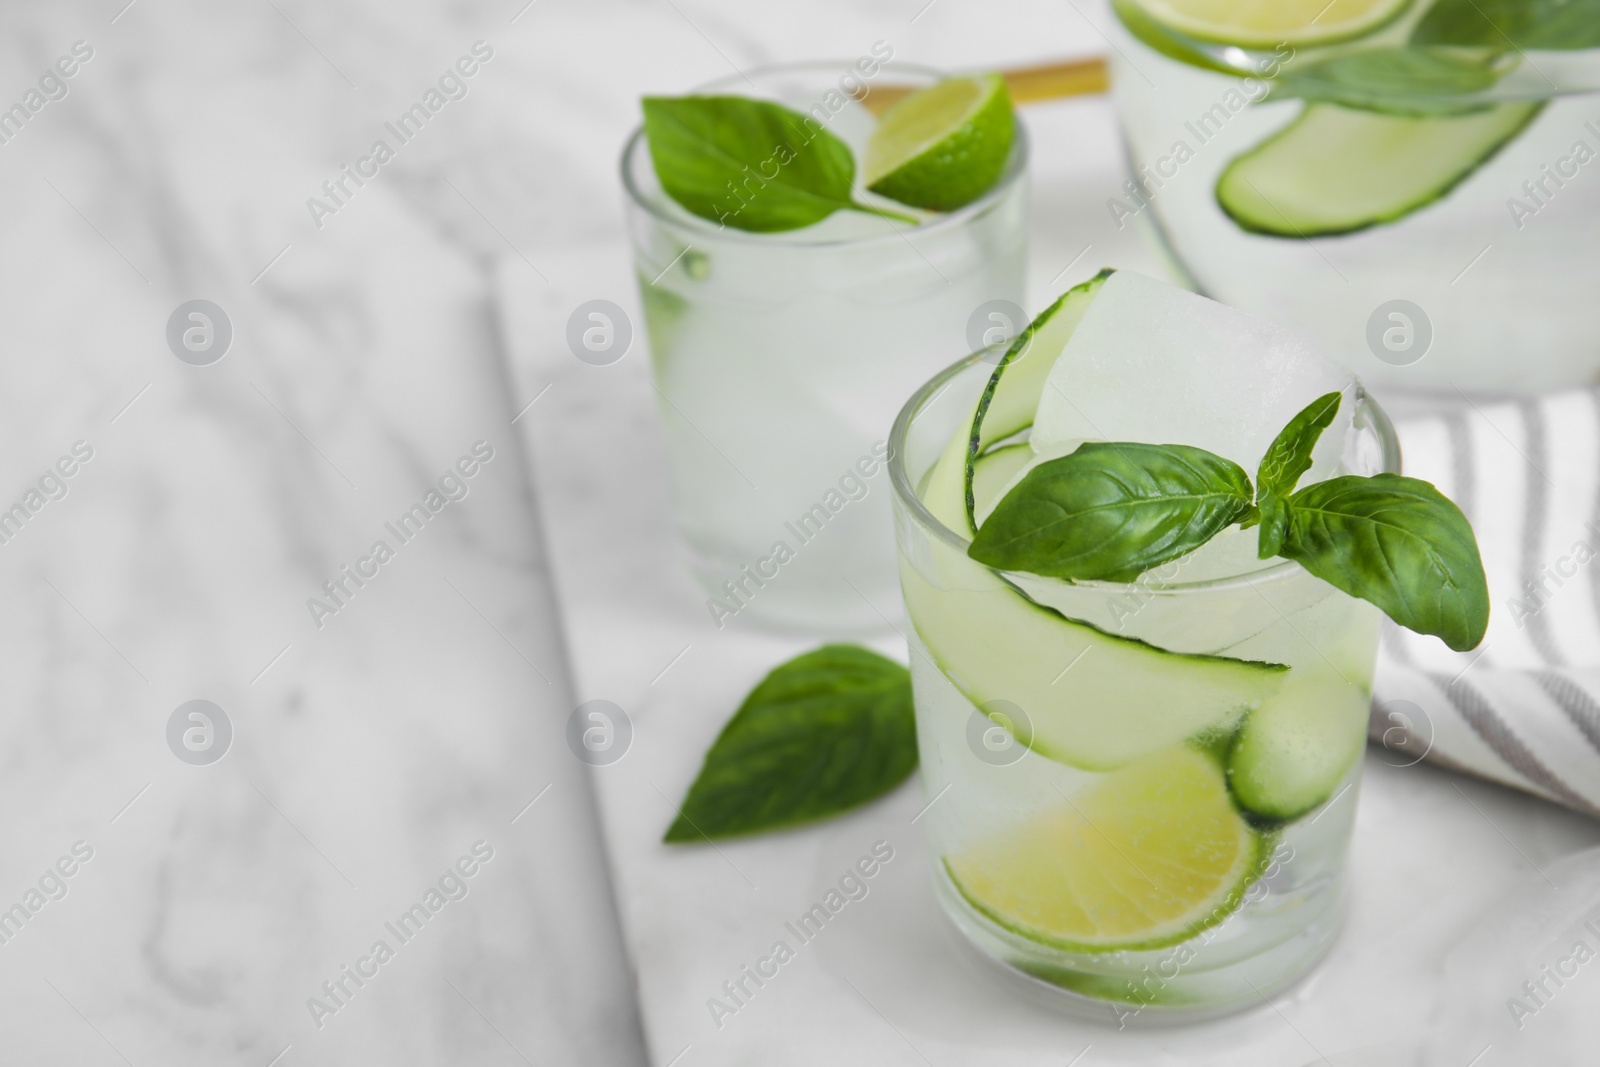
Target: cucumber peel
[{"x": 1293, "y": 751}]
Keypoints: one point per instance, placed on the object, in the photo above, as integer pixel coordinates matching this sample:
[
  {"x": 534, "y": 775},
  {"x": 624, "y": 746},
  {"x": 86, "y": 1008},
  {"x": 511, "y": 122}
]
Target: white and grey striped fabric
[{"x": 1524, "y": 708}]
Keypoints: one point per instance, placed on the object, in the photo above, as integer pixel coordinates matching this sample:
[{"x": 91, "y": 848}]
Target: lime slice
[
  {"x": 944, "y": 146},
  {"x": 1150, "y": 856},
  {"x": 1270, "y": 23}
]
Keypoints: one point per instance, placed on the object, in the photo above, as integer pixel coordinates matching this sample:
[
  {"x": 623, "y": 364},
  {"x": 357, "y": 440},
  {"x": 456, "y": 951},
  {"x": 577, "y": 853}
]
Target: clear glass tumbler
[
  {"x": 1140, "y": 796},
  {"x": 1431, "y": 242},
  {"x": 780, "y": 360}
]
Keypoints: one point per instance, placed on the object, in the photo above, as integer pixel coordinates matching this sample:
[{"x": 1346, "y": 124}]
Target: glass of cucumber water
[
  {"x": 1141, "y": 720},
  {"x": 804, "y": 260},
  {"x": 1411, "y": 181}
]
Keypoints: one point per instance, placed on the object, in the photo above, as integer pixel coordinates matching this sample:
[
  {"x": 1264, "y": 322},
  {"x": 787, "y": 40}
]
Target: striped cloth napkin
[{"x": 1522, "y": 709}]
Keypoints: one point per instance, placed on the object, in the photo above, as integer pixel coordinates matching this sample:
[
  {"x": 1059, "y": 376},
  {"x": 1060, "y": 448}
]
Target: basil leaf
[
  {"x": 1289, "y": 456},
  {"x": 1274, "y": 524},
  {"x": 1113, "y": 511},
  {"x": 1394, "y": 80},
  {"x": 1557, "y": 25},
  {"x": 1398, "y": 543},
  {"x": 750, "y": 164},
  {"x": 823, "y": 733}
]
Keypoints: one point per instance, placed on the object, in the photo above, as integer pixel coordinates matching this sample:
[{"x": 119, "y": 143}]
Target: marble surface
[
  {"x": 1435, "y": 856},
  {"x": 188, "y": 912},
  {"x": 383, "y": 755}
]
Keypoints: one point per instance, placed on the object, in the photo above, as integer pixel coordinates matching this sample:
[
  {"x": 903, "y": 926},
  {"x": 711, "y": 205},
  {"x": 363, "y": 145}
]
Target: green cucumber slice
[
  {"x": 995, "y": 643},
  {"x": 1090, "y": 699},
  {"x": 995, "y": 472},
  {"x": 1336, "y": 170},
  {"x": 1012, "y": 395},
  {"x": 1294, "y": 750}
]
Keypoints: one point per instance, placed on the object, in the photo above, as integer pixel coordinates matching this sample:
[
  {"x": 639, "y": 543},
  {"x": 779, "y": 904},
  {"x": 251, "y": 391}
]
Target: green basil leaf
[
  {"x": 825, "y": 732},
  {"x": 1113, "y": 511},
  {"x": 1398, "y": 543},
  {"x": 1289, "y": 456},
  {"x": 1558, "y": 25},
  {"x": 1274, "y": 524},
  {"x": 1395, "y": 80},
  {"x": 750, "y": 164}
]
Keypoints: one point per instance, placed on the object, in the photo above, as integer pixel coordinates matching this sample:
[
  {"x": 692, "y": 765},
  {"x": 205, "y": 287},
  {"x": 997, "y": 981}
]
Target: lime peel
[
  {"x": 1148, "y": 857},
  {"x": 942, "y": 147}
]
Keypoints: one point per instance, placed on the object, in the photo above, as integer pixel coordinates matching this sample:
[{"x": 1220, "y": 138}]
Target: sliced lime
[
  {"x": 1149, "y": 856},
  {"x": 944, "y": 146},
  {"x": 1271, "y": 23}
]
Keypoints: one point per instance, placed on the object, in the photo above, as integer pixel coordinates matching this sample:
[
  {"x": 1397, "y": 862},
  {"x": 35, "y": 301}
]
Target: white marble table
[
  {"x": 209, "y": 904},
  {"x": 376, "y": 748}
]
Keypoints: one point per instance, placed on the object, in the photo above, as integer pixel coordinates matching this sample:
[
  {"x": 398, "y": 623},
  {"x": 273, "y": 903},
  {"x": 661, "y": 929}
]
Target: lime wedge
[
  {"x": 1148, "y": 857},
  {"x": 944, "y": 146},
  {"x": 1270, "y": 23}
]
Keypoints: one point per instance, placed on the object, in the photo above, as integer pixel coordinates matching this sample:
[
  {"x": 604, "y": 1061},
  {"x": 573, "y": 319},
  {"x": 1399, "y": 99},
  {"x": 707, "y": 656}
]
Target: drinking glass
[
  {"x": 1140, "y": 795},
  {"x": 1480, "y": 282},
  {"x": 780, "y": 359}
]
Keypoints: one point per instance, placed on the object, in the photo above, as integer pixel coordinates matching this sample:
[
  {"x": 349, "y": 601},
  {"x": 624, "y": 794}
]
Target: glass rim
[
  {"x": 1016, "y": 169},
  {"x": 1514, "y": 84},
  {"x": 906, "y": 492}
]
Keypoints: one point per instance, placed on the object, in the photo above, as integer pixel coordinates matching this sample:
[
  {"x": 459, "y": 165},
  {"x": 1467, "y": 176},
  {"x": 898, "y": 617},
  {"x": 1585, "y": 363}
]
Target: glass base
[{"x": 1186, "y": 983}]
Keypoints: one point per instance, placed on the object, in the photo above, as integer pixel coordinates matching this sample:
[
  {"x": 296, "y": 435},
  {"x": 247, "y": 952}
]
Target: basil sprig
[
  {"x": 750, "y": 164},
  {"x": 1111, "y": 511},
  {"x": 824, "y": 732}
]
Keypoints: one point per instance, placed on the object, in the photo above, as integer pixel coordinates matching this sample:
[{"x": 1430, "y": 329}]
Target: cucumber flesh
[
  {"x": 1294, "y": 750},
  {"x": 1336, "y": 170}
]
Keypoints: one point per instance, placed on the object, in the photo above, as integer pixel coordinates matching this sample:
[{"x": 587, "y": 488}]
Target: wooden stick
[{"x": 1048, "y": 81}]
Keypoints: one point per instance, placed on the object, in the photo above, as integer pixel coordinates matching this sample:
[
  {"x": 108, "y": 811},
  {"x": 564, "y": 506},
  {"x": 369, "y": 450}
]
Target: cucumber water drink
[
  {"x": 780, "y": 353},
  {"x": 1140, "y": 792},
  {"x": 1410, "y": 181}
]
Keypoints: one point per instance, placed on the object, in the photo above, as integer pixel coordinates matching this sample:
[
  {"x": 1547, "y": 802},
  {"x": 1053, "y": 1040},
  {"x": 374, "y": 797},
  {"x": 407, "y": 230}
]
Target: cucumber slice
[
  {"x": 995, "y": 643},
  {"x": 1012, "y": 396},
  {"x": 1336, "y": 170},
  {"x": 1298, "y": 746},
  {"x": 1145, "y": 858},
  {"x": 1090, "y": 699},
  {"x": 993, "y": 475}
]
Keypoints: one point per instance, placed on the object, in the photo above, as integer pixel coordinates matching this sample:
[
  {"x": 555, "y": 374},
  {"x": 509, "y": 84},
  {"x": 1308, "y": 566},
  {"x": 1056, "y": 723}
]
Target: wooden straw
[{"x": 1049, "y": 81}]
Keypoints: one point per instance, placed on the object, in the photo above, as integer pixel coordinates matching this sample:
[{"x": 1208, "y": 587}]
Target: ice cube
[{"x": 1155, "y": 363}]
